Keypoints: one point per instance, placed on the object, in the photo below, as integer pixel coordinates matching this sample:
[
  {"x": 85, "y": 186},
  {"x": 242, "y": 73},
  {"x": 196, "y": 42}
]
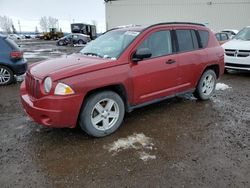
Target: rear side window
[
  {"x": 159, "y": 43},
  {"x": 12, "y": 44},
  {"x": 203, "y": 38},
  {"x": 187, "y": 40}
]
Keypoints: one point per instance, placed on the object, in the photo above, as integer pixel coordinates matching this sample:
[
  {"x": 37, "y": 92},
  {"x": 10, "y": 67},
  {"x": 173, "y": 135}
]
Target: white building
[{"x": 216, "y": 14}]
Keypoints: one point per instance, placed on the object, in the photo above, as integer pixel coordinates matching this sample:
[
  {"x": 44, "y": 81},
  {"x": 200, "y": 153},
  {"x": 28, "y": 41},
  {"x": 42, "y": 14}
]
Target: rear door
[
  {"x": 189, "y": 56},
  {"x": 156, "y": 76}
]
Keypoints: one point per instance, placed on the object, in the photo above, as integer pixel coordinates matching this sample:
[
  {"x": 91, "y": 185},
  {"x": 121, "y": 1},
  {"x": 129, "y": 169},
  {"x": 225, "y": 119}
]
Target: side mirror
[{"x": 141, "y": 54}]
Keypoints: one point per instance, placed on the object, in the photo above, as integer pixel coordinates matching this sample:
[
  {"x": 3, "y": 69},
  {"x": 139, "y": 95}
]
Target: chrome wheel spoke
[
  {"x": 105, "y": 114},
  {"x": 99, "y": 108},
  {"x": 109, "y": 105},
  {"x": 113, "y": 114},
  {"x": 105, "y": 123},
  {"x": 97, "y": 119}
]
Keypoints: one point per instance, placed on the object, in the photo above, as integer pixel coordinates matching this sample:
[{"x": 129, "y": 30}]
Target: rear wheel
[
  {"x": 6, "y": 76},
  {"x": 206, "y": 85},
  {"x": 81, "y": 42},
  {"x": 102, "y": 114}
]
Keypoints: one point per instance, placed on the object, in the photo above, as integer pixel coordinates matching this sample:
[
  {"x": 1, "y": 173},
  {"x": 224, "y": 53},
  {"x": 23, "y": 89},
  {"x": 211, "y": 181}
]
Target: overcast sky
[{"x": 29, "y": 12}]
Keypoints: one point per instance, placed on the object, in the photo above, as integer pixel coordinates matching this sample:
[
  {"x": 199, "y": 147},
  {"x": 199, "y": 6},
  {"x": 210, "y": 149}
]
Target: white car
[
  {"x": 237, "y": 51},
  {"x": 232, "y": 32}
]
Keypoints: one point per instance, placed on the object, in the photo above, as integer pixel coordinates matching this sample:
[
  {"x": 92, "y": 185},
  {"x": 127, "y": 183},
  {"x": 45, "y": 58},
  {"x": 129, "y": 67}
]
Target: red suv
[{"x": 124, "y": 69}]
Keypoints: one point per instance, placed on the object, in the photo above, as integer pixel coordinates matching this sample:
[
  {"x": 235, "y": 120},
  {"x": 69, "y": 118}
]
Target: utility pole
[{"x": 19, "y": 26}]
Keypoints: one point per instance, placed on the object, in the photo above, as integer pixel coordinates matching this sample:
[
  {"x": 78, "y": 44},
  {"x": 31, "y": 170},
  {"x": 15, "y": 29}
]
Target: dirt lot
[{"x": 177, "y": 143}]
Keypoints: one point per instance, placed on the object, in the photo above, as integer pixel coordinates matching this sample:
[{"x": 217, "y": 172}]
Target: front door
[{"x": 157, "y": 76}]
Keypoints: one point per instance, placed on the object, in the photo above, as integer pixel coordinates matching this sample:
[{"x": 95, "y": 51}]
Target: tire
[
  {"x": 81, "y": 42},
  {"x": 205, "y": 88},
  {"x": 102, "y": 114},
  {"x": 60, "y": 43},
  {"x": 6, "y": 76}
]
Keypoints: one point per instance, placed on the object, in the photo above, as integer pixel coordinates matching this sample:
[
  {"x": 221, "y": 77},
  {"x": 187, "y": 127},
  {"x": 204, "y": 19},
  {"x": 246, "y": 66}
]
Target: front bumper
[
  {"x": 52, "y": 111},
  {"x": 237, "y": 63}
]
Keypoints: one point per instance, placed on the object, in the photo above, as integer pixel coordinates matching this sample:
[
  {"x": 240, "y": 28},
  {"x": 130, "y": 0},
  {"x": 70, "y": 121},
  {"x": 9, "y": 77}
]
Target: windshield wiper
[{"x": 92, "y": 54}]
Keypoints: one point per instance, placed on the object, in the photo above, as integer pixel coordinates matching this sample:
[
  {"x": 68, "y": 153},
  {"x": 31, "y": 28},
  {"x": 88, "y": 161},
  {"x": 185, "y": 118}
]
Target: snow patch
[
  {"x": 137, "y": 142},
  {"x": 29, "y": 55},
  {"x": 44, "y": 50},
  {"x": 145, "y": 156},
  {"x": 222, "y": 86}
]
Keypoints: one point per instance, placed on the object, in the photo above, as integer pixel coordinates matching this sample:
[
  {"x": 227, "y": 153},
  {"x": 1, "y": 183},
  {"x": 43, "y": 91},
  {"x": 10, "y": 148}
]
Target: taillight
[{"x": 16, "y": 54}]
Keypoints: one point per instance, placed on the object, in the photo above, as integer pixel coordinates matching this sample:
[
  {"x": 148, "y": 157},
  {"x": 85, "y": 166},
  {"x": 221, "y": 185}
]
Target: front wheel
[
  {"x": 206, "y": 85},
  {"x": 102, "y": 114}
]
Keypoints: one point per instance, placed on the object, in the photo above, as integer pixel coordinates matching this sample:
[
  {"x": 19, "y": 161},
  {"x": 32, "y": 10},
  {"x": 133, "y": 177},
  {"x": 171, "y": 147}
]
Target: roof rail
[{"x": 189, "y": 23}]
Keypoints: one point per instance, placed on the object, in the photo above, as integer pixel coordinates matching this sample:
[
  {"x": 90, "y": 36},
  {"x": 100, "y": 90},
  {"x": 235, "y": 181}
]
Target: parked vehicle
[
  {"x": 74, "y": 38},
  {"x": 86, "y": 29},
  {"x": 14, "y": 37},
  {"x": 53, "y": 34},
  {"x": 222, "y": 37},
  {"x": 11, "y": 61},
  {"x": 231, "y": 32},
  {"x": 120, "y": 71},
  {"x": 237, "y": 51}
]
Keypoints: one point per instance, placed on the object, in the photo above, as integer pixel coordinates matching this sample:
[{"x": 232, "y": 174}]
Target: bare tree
[
  {"x": 6, "y": 24},
  {"x": 44, "y": 24},
  {"x": 48, "y": 22},
  {"x": 52, "y": 22}
]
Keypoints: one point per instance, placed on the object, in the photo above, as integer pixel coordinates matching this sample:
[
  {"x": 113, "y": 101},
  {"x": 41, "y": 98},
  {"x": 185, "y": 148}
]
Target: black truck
[{"x": 86, "y": 29}]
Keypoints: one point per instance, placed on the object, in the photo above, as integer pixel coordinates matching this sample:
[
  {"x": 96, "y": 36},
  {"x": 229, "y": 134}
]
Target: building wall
[{"x": 216, "y": 14}]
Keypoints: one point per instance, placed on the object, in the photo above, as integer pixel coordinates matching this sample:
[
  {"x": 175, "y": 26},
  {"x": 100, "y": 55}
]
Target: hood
[
  {"x": 237, "y": 45},
  {"x": 67, "y": 66}
]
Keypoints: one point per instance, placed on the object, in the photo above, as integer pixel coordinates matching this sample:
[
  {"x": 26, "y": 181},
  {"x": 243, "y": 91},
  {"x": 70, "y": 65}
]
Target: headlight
[
  {"x": 47, "y": 84},
  {"x": 63, "y": 89}
]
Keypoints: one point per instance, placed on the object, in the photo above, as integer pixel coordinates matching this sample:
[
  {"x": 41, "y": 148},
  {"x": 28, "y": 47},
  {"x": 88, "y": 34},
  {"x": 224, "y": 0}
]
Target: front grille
[
  {"x": 32, "y": 86},
  {"x": 237, "y": 53},
  {"x": 237, "y": 65}
]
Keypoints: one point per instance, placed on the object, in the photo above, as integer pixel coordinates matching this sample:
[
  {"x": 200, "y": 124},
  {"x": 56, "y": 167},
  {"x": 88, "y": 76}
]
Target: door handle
[{"x": 170, "y": 61}]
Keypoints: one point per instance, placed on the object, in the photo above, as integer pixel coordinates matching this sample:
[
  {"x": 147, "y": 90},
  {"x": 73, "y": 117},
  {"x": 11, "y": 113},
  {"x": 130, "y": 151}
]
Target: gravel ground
[{"x": 180, "y": 142}]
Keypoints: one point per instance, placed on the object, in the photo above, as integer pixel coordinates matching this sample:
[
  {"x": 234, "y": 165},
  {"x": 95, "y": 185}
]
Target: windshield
[
  {"x": 244, "y": 34},
  {"x": 110, "y": 45}
]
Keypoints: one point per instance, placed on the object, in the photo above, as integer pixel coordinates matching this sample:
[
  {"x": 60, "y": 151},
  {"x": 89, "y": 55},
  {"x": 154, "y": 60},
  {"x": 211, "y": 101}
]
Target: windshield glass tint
[
  {"x": 244, "y": 34},
  {"x": 110, "y": 45}
]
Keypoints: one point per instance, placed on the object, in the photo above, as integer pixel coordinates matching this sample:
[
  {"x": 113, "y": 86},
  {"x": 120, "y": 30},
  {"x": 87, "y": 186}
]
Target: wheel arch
[
  {"x": 117, "y": 88},
  {"x": 213, "y": 67},
  {"x": 9, "y": 67}
]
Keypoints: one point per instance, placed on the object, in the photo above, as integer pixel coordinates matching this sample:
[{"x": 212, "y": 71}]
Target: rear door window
[{"x": 185, "y": 40}]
